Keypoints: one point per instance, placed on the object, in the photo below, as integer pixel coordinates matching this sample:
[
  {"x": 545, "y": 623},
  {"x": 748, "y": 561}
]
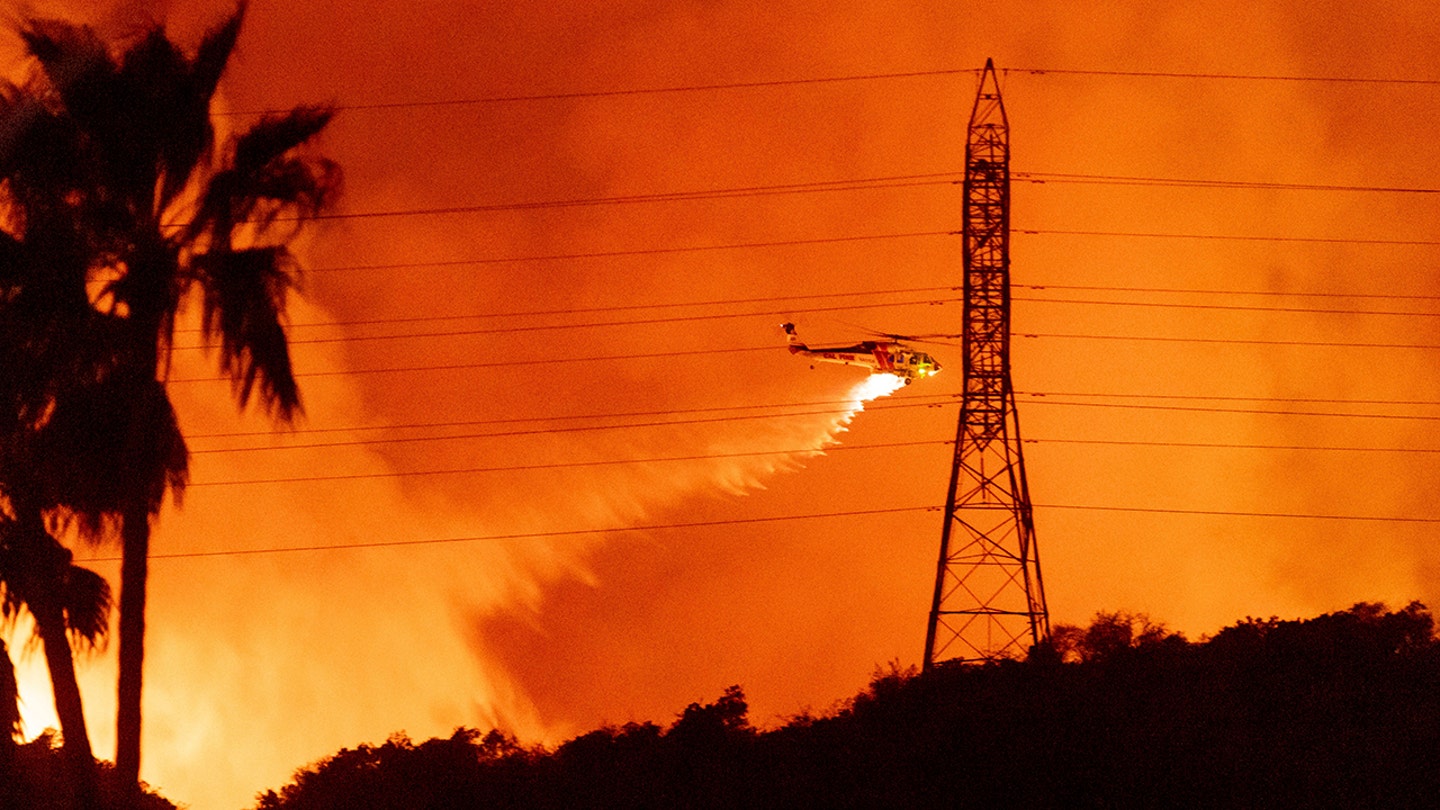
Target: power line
[
  {"x": 1225, "y": 307},
  {"x": 1229, "y": 446},
  {"x": 857, "y": 294},
  {"x": 503, "y": 363},
  {"x": 698, "y": 524},
  {"x": 841, "y": 308},
  {"x": 1231, "y": 513},
  {"x": 734, "y": 350},
  {"x": 1229, "y": 398},
  {"x": 1230, "y": 237},
  {"x": 531, "y": 361},
  {"x": 562, "y": 464},
  {"x": 826, "y": 296},
  {"x": 898, "y": 181},
  {"x": 839, "y": 407},
  {"x": 621, "y": 307},
  {"x": 940, "y": 399},
  {"x": 626, "y": 91},
  {"x": 1245, "y": 411},
  {"x": 838, "y": 240},
  {"x": 1256, "y": 77},
  {"x": 596, "y": 324},
  {"x": 1041, "y": 178},
  {"x": 695, "y": 524},
  {"x": 569, "y": 95},
  {"x": 1203, "y": 291},
  {"x": 945, "y": 178},
  {"x": 1236, "y": 341},
  {"x": 838, "y": 308},
  {"x": 640, "y": 252},
  {"x": 862, "y": 184},
  {"x": 1111, "y": 442},
  {"x": 572, "y": 429},
  {"x": 846, "y": 239}
]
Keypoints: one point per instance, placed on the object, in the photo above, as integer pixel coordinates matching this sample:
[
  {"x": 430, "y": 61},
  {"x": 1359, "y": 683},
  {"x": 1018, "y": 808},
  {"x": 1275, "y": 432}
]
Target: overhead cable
[
  {"x": 575, "y": 95},
  {"x": 651, "y": 527},
  {"x": 659, "y": 527}
]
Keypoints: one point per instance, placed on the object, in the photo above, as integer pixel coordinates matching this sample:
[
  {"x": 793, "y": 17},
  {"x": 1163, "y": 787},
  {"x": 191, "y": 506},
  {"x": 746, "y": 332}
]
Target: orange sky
[{"x": 261, "y": 663}]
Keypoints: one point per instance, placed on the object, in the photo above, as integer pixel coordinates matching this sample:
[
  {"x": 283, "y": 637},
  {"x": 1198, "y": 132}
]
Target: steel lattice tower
[{"x": 989, "y": 599}]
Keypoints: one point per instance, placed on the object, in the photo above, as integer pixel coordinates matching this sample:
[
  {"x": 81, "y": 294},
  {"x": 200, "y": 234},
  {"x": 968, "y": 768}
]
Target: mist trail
[
  {"x": 809, "y": 435},
  {"x": 291, "y": 656},
  {"x": 732, "y": 460}
]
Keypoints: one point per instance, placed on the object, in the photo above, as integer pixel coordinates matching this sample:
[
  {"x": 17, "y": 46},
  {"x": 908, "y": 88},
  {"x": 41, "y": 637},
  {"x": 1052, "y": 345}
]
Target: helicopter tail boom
[{"x": 792, "y": 339}]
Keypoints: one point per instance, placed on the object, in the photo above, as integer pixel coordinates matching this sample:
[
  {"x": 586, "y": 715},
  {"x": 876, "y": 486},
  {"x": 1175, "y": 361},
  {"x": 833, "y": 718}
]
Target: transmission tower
[{"x": 989, "y": 599}]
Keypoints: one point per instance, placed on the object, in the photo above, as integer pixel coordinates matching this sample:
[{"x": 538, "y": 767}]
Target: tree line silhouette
[{"x": 1342, "y": 710}]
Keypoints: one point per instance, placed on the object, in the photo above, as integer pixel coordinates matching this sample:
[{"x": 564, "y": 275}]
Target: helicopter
[{"x": 880, "y": 356}]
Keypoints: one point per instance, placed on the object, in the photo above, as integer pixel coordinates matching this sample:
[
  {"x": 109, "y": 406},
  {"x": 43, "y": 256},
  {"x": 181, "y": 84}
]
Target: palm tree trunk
[
  {"x": 134, "y": 570},
  {"x": 79, "y": 759},
  {"x": 9, "y": 703},
  {"x": 135, "y": 564},
  {"x": 10, "y": 790}
]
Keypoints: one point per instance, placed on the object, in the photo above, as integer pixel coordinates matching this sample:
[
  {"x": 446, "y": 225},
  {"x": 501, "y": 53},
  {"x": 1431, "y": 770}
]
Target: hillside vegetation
[{"x": 1342, "y": 710}]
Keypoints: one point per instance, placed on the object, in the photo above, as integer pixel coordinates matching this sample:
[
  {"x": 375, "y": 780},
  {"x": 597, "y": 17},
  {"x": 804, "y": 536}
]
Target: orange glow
[{"x": 686, "y": 418}]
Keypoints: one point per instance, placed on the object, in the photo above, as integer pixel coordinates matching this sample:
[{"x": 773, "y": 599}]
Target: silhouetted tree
[
  {"x": 467, "y": 769},
  {"x": 707, "y": 745},
  {"x": 40, "y": 781},
  {"x": 69, "y": 604},
  {"x": 156, "y": 210},
  {"x": 55, "y": 349},
  {"x": 1342, "y": 710},
  {"x": 1109, "y": 633},
  {"x": 10, "y": 728}
]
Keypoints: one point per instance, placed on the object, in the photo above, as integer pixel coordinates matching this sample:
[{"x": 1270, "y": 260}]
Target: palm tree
[
  {"x": 10, "y": 729},
  {"x": 160, "y": 211},
  {"x": 60, "y": 365},
  {"x": 9, "y": 705},
  {"x": 69, "y": 605},
  {"x": 54, "y": 351}
]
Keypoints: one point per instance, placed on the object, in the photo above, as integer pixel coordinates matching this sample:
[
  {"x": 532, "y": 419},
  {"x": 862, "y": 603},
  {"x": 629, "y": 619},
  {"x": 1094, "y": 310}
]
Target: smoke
[
  {"x": 239, "y": 643},
  {"x": 261, "y": 662},
  {"x": 381, "y": 632}
]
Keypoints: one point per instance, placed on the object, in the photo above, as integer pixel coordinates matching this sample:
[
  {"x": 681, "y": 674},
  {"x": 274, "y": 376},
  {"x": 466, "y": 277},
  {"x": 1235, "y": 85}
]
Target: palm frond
[
  {"x": 77, "y": 65},
  {"x": 41, "y": 161},
  {"x": 302, "y": 187},
  {"x": 167, "y": 124},
  {"x": 87, "y": 602},
  {"x": 273, "y": 136},
  {"x": 215, "y": 49},
  {"x": 18, "y": 109},
  {"x": 109, "y": 444},
  {"x": 265, "y": 178},
  {"x": 244, "y": 306}
]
